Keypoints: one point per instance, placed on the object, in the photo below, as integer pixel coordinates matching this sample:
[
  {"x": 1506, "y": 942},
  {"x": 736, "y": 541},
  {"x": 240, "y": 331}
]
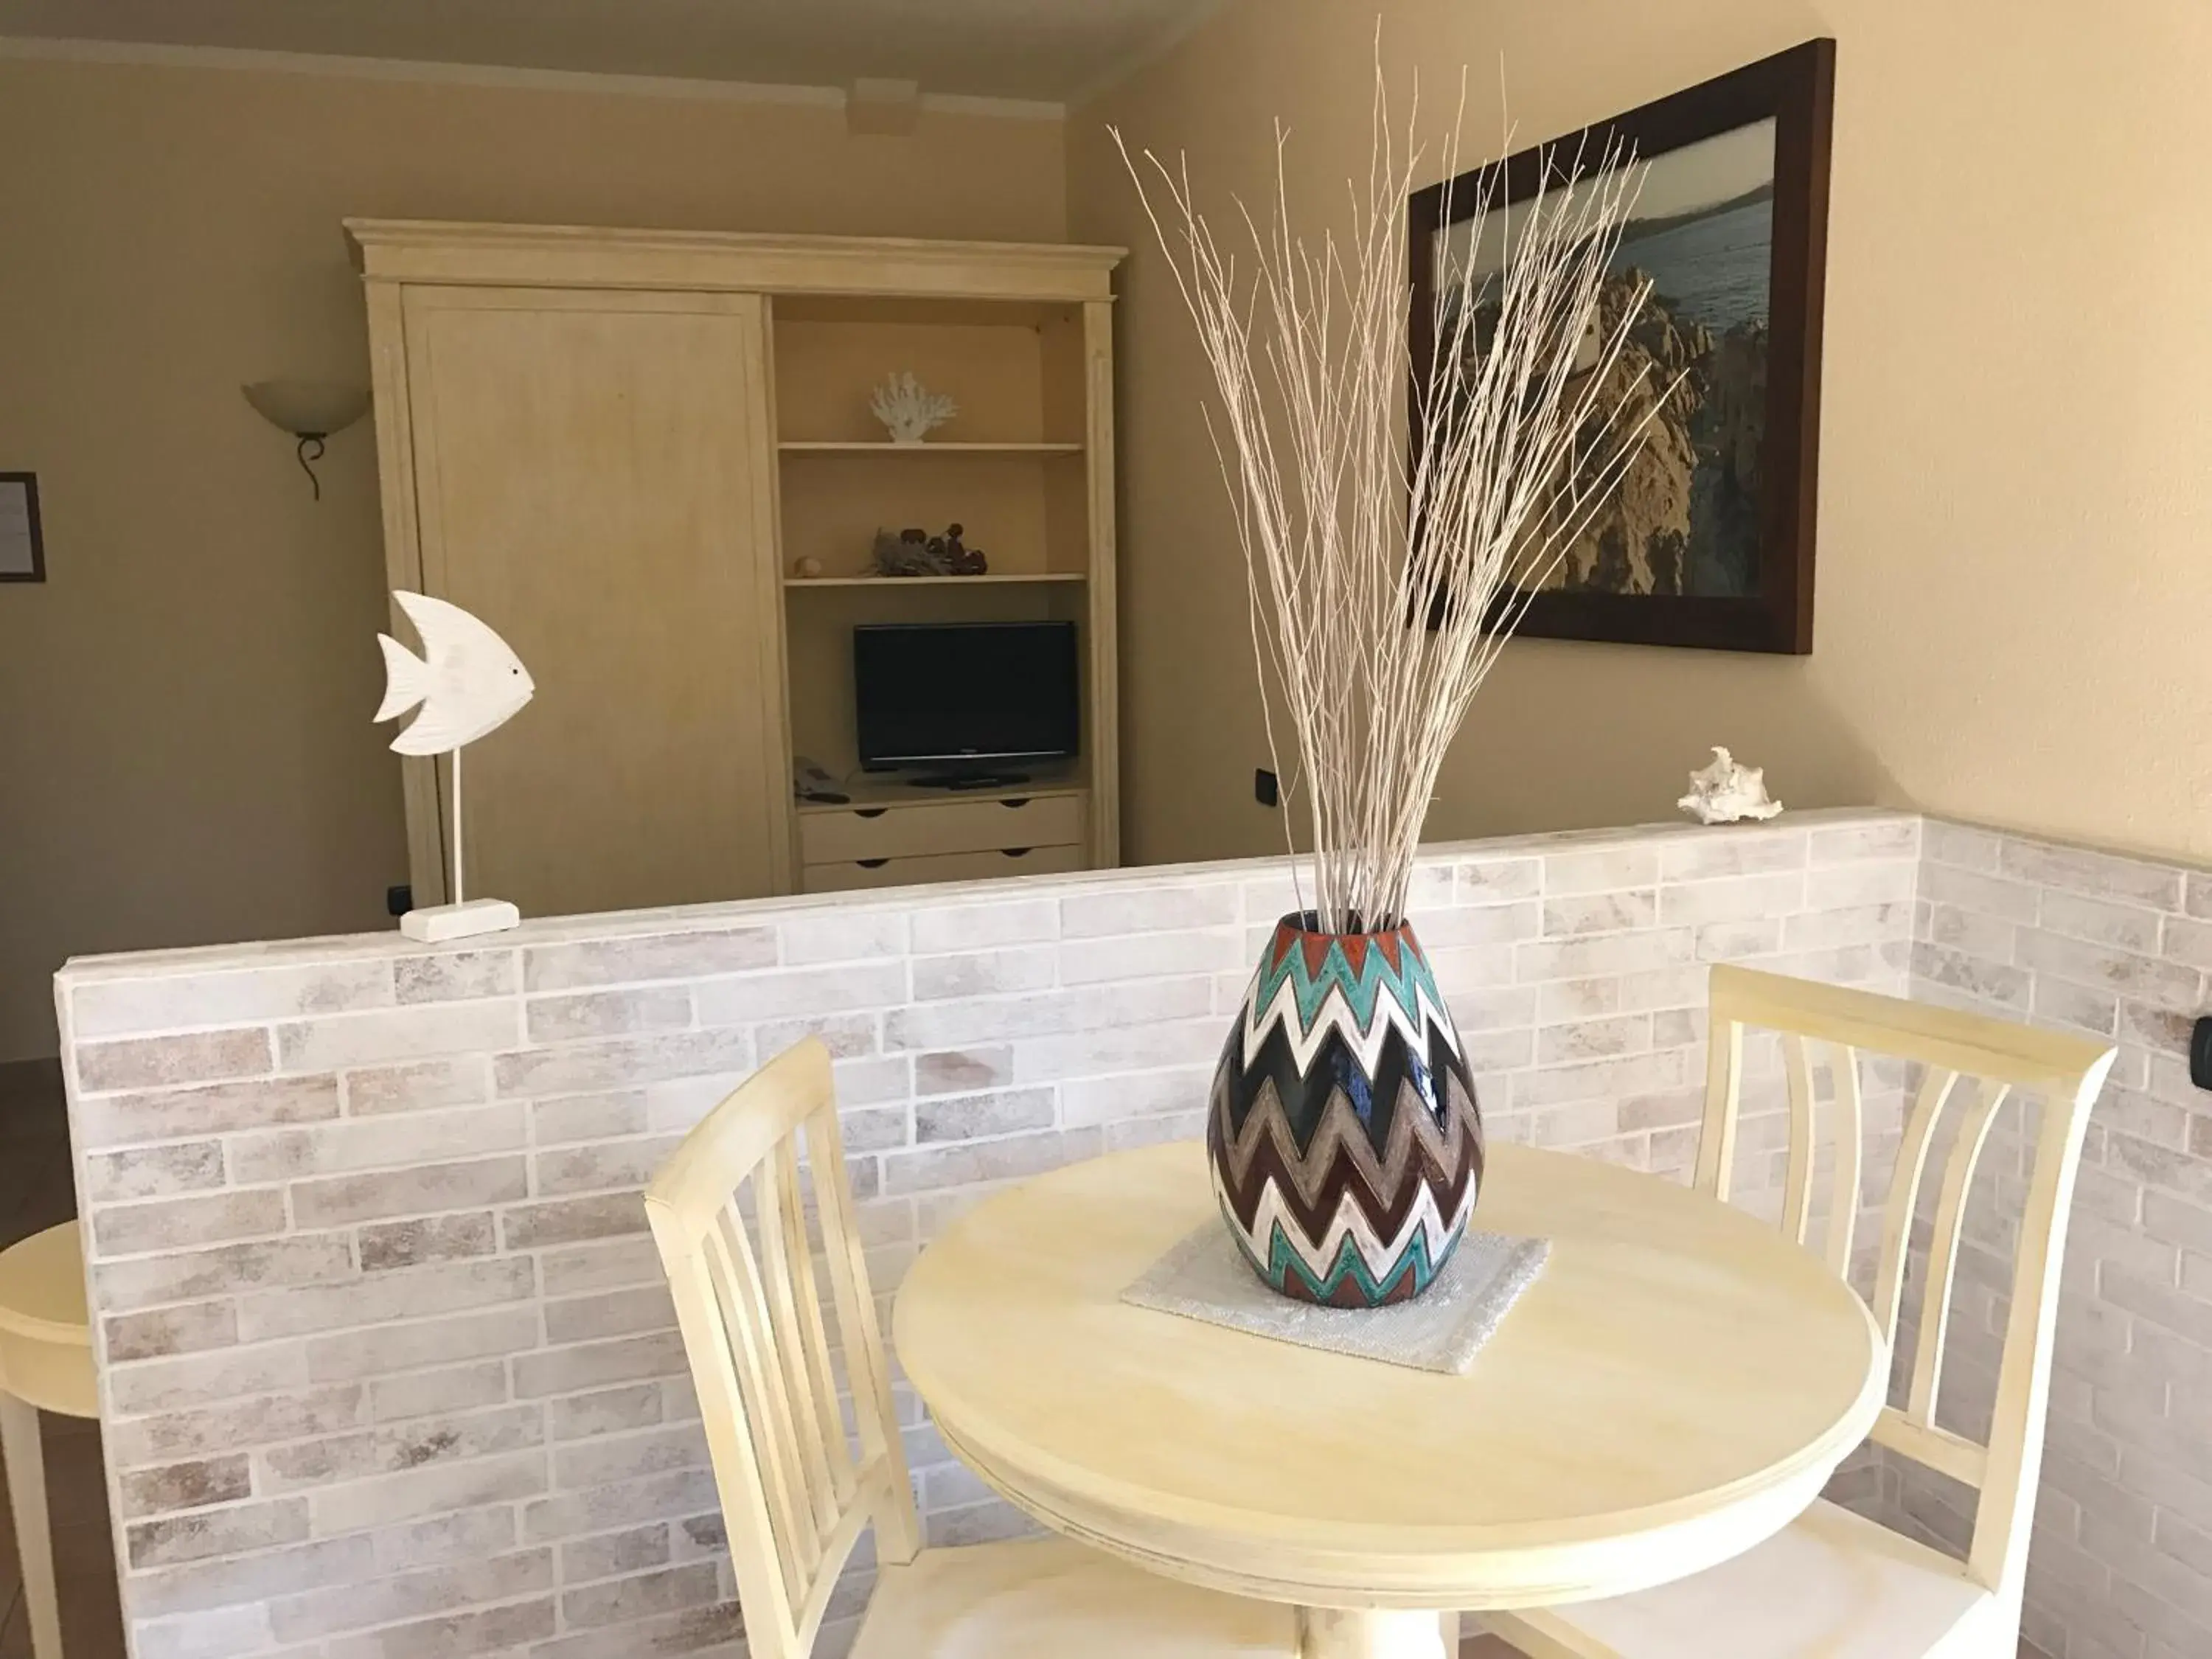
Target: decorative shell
[
  {"x": 909, "y": 410},
  {"x": 1724, "y": 793}
]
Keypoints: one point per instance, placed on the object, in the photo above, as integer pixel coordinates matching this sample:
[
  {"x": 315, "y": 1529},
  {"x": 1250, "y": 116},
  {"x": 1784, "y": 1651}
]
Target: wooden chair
[
  {"x": 796, "y": 1496},
  {"x": 1833, "y": 1585}
]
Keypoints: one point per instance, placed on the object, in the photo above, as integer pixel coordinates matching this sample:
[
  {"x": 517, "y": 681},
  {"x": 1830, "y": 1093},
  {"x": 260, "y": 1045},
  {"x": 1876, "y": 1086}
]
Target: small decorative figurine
[
  {"x": 909, "y": 410},
  {"x": 915, "y": 552},
  {"x": 1724, "y": 793},
  {"x": 807, "y": 569},
  {"x": 903, "y": 553},
  {"x": 468, "y": 683},
  {"x": 959, "y": 560}
]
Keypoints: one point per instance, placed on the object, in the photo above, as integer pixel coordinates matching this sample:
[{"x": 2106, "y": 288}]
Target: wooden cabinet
[
  {"x": 592, "y": 475},
  {"x": 580, "y": 439}
]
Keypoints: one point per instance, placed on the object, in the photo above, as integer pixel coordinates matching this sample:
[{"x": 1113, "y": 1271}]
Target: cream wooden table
[{"x": 1676, "y": 1386}]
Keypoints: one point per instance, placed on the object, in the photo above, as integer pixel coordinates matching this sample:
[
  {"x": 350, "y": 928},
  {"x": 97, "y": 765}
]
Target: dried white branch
[{"x": 1348, "y": 548}]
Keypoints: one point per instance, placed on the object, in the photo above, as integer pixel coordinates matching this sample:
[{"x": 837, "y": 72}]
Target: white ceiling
[{"x": 1049, "y": 49}]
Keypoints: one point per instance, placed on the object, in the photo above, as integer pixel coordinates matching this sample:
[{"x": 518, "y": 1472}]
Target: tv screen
[{"x": 964, "y": 691}]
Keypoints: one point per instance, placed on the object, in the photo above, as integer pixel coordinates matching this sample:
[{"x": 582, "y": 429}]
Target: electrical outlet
[{"x": 1265, "y": 789}]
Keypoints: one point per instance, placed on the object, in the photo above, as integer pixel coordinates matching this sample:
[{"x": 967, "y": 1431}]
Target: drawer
[
  {"x": 945, "y": 826},
  {"x": 940, "y": 866}
]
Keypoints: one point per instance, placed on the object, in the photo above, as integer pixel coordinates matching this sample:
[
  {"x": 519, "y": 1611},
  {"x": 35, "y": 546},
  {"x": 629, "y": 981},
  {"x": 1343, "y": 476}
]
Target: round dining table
[{"x": 1674, "y": 1388}]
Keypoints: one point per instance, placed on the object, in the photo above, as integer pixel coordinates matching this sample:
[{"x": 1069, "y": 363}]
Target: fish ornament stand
[{"x": 468, "y": 682}]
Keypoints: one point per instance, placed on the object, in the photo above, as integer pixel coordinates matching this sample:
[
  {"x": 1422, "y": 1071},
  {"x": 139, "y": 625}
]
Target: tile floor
[{"x": 36, "y": 1191}]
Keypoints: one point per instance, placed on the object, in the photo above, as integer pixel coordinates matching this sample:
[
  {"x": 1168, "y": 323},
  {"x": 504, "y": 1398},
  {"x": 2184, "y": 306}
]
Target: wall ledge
[{"x": 708, "y": 918}]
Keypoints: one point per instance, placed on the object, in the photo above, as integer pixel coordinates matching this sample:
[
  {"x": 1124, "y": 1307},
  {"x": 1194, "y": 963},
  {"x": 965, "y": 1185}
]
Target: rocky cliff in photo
[{"x": 1684, "y": 516}]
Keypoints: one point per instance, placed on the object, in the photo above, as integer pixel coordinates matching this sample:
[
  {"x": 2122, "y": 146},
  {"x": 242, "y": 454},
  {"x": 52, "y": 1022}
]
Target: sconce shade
[{"x": 307, "y": 408}]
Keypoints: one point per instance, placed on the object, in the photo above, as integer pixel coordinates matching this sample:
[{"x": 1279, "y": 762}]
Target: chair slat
[
  {"x": 1798, "y": 1183},
  {"x": 814, "y": 1345},
  {"x": 1927, "y": 1107},
  {"x": 738, "y": 1279},
  {"x": 1850, "y": 1136},
  {"x": 868, "y": 1369},
  {"x": 1943, "y": 1251},
  {"x": 838, "y": 1546},
  {"x": 1723, "y": 1085},
  {"x": 776, "y": 1187},
  {"x": 770, "y": 1604}
]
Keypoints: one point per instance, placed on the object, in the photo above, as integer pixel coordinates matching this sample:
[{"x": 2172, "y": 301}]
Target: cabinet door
[{"x": 594, "y": 474}]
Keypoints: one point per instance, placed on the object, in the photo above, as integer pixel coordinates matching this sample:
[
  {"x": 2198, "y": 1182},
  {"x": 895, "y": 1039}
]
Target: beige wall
[
  {"x": 2014, "y": 578},
  {"x": 185, "y": 752}
]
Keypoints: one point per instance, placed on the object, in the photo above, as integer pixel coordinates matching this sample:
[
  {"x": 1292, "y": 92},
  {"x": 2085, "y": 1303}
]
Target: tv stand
[
  {"x": 968, "y": 828},
  {"x": 969, "y": 780}
]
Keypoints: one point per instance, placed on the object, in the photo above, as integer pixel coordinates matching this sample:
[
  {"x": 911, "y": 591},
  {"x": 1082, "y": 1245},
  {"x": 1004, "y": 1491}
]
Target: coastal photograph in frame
[{"x": 1708, "y": 541}]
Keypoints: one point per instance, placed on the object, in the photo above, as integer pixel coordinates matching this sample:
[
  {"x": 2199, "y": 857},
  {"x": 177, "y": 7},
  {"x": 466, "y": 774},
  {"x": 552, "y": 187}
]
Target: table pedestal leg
[{"x": 1341, "y": 1634}]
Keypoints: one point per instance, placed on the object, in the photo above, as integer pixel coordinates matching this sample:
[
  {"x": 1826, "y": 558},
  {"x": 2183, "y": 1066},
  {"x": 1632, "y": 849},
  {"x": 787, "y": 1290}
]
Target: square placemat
[{"x": 1204, "y": 1276}]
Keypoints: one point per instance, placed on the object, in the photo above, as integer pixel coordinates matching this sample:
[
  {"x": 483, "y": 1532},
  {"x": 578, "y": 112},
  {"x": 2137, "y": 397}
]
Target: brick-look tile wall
[{"x": 388, "y": 1369}]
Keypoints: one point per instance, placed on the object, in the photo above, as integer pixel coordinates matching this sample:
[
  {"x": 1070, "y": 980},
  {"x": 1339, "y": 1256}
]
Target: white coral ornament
[
  {"x": 1724, "y": 793},
  {"x": 909, "y": 410}
]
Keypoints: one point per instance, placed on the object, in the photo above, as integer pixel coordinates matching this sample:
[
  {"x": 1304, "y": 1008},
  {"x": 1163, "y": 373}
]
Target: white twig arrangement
[
  {"x": 1380, "y": 591},
  {"x": 909, "y": 410}
]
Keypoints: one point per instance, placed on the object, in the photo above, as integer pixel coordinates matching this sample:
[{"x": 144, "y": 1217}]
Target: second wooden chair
[
  {"x": 797, "y": 1492},
  {"x": 1834, "y": 1585}
]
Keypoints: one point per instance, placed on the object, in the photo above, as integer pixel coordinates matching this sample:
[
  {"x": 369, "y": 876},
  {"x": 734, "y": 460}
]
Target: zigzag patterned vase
[{"x": 1342, "y": 1133}]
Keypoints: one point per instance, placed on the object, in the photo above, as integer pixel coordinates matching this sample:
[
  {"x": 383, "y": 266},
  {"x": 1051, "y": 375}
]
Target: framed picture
[
  {"x": 23, "y": 548},
  {"x": 1708, "y": 542}
]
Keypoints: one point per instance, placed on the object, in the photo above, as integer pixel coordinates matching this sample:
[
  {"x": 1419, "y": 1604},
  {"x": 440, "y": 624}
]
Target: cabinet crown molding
[{"x": 569, "y": 256}]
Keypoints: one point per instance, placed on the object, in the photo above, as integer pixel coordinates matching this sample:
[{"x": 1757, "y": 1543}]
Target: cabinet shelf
[
  {"x": 994, "y": 579},
  {"x": 878, "y": 447}
]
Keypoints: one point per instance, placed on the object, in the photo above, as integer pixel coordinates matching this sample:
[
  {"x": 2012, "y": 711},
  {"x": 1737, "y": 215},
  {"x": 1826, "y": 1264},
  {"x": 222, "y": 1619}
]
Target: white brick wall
[{"x": 388, "y": 1368}]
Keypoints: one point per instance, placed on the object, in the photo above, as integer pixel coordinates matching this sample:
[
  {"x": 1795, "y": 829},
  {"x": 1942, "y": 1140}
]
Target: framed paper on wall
[
  {"x": 22, "y": 543},
  {"x": 1708, "y": 542}
]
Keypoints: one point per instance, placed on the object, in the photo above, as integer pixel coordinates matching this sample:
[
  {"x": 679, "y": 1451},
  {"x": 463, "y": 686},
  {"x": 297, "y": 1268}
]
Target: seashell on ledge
[{"x": 1725, "y": 793}]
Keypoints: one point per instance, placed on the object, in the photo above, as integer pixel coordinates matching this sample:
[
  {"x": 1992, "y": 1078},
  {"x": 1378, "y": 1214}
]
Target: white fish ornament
[
  {"x": 468, "y": 682},
  {"x": 468, "y": 679}
]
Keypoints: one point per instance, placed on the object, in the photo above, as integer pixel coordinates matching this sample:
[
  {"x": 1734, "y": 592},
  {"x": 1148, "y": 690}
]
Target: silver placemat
[{"x": 1205, "y": 1277}]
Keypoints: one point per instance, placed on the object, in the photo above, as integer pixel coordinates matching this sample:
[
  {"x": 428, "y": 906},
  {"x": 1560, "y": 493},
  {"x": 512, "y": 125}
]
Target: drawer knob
[
  {"x": 872, "y": 864},
  {"x": 1015, "y": 801},
  {"x": 870, "y": 811},
  {"x": 1014, "y": 851}
]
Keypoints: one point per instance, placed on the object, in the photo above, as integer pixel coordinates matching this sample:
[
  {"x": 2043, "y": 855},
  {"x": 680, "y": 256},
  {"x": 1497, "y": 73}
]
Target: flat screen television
[{"x": 965, "y": 698}]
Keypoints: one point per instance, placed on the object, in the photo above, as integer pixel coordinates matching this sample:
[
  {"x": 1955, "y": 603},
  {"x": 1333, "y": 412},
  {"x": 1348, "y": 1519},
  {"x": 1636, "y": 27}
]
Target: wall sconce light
[{"x": 310, "y": 410}]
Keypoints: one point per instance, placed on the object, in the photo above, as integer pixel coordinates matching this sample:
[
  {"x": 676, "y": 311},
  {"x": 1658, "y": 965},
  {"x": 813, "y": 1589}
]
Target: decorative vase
[{"x": 1342, "y": 1134}]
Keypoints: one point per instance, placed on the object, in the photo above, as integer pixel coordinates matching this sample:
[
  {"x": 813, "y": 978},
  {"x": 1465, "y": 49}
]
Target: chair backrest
[
  {"x": 1992, "y": 1059},
  {"x": 795, "y": 1496}
]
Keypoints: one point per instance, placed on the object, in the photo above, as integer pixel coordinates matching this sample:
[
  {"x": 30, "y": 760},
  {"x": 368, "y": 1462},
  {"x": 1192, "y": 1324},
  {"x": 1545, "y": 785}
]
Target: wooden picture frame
[
  {"x": 20, "y": 529},
  {"x": 1742, "y": 575}
]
